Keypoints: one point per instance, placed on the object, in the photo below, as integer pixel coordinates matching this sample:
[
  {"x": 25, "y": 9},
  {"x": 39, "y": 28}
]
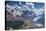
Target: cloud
[
  {"x": 19, "y": 13},
  {"x": 36, "y": 19},
  {"x": 38, "y": 11},
  {"x": 30, "y": 4},
  {"x": 25, "y": 7},
  {"x": 39, "y": 25},
  {"x": 9, "y": 7}
]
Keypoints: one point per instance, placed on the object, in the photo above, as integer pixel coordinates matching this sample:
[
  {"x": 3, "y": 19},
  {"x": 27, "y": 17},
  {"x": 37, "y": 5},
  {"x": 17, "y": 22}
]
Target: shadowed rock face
[
  {"x": 14, "y": 24},
  {"x": 16, "y": 21}
]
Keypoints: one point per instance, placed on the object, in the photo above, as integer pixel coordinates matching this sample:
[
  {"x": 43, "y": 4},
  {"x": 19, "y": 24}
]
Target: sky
[{"x": 36, "y": 7}]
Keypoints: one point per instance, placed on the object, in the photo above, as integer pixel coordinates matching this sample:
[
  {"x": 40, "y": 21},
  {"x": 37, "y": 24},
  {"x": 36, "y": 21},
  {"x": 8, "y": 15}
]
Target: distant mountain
[{"x": 25, "y": 13}]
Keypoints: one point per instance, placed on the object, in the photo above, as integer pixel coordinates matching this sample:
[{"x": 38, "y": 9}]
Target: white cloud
[
  {"x": 25, "y": 7},
  {"x": 38, "y": 11},
  {"x": 19, "y": 13},
  {"x": 39, "y": 25},
  {"x": 29, "y": 3},
  {"x": 36, "y": 19},
  {"x": 9, "y": 7},
  {"x": 18, "y": 7}
]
